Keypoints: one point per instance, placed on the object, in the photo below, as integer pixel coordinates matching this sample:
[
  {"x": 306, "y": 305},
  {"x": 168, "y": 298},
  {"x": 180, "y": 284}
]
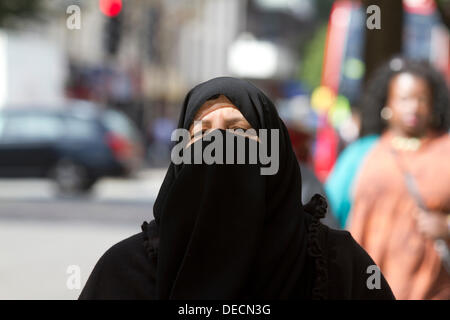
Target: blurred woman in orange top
[{"x": 396, "y": 221}]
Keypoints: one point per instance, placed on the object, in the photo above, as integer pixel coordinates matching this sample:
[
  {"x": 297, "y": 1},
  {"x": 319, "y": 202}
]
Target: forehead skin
[
  {"x": 408, "y": 84},
  {"x": 212, "y": 105}
]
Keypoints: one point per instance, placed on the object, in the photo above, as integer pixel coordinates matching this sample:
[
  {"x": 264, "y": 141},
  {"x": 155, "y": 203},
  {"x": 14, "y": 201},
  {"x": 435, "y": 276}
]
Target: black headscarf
[{"x": 226, "y": 231}]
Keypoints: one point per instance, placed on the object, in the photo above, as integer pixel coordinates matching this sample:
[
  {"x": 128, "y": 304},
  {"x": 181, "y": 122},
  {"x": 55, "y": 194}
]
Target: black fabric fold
[{"x": 226, "y": 231}]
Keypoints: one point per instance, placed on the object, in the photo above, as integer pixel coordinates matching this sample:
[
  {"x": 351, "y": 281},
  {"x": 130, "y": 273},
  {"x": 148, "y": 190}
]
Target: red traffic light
[{"x": 110, "y": 8}]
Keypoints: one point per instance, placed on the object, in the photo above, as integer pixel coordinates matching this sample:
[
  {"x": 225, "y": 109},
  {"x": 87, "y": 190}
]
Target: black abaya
[
  {"x": 124, "y": 271},
  {"x": 228, "y": 232}
]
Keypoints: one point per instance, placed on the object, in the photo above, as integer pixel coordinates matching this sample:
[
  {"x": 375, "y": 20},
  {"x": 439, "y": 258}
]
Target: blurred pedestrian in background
[
  {"x": 339, "y": 184},
  {"x": 401, "y": 196},
  {"x": 159, "y": 143}
]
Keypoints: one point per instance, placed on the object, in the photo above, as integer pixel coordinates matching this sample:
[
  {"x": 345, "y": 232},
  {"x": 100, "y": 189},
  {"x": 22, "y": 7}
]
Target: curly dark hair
[{"x": 375, "y": 95}]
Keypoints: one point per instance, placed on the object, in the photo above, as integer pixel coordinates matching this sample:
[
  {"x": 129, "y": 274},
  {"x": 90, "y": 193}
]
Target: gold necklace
[{"x": 407, "y": 144}]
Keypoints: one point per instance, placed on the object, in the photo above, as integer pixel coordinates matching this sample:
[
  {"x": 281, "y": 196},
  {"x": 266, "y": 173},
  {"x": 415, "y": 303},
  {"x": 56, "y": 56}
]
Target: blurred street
[{"x": 79, "y": 229}]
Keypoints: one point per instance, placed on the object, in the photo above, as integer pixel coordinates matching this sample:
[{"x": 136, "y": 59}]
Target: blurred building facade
[
  {"x": 168, "y": 46},
  {"x": 144, "y": 57}
]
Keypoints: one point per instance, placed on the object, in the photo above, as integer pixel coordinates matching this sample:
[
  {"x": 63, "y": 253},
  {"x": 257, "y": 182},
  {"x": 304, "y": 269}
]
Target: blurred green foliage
[{"x": 310, "y": 72}]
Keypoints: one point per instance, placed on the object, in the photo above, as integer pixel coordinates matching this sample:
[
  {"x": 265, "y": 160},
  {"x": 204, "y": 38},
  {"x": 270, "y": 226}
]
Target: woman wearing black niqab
[{"x": 225, "y": 231}]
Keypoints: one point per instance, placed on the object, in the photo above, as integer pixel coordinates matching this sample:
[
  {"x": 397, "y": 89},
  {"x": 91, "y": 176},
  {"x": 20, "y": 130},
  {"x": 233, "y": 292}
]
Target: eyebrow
[{"x": 228, "y": 121}]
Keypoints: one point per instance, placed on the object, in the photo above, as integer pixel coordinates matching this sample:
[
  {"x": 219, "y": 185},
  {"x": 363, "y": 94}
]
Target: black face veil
[{"x": 226, "y": 231}]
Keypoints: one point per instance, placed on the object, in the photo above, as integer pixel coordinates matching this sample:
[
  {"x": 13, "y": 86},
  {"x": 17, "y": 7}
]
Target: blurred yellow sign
[{"x": 322, "y": 99}]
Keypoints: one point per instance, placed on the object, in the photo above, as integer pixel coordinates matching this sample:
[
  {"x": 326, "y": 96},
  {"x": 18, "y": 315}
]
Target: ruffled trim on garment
[
  {"x": 151, "y": 242},
  {"x": 317, "y": 207}
]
